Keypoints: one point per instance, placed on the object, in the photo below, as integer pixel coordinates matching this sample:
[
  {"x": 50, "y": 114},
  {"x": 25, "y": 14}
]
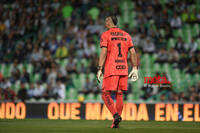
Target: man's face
[{"x": 58, "y": 82}]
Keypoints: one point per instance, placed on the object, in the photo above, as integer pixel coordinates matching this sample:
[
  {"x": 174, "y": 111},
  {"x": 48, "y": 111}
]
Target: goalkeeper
[{"x": 115, "y": 45}]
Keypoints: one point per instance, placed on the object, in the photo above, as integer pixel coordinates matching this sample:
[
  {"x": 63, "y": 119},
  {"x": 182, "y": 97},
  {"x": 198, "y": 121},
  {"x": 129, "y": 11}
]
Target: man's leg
[
  {"x": 119, "y": 102},
  {"x": 106, "y": 96},
  {"x": 109, "y": 85},
  {"x": 122, "y": 86}
]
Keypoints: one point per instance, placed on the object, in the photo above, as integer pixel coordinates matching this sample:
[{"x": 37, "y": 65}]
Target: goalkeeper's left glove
[
  {"x": 99, "y": 74},
  {"x": 133, "y": 75}
]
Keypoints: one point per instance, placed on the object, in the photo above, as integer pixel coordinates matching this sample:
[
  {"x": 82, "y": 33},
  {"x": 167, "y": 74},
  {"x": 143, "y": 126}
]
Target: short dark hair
[{"x": 114, "y": 19}]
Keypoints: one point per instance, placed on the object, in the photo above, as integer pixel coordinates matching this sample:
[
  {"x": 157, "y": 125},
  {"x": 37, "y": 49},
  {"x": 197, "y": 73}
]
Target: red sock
[
  {"x": 119, "y": 102},
  {"x": 108, "y": 101}
]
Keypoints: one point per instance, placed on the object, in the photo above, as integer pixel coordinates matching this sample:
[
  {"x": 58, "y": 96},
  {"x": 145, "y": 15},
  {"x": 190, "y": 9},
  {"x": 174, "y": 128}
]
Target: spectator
[
  {"x": 192, "y": 16},
  {"x": 168, "y": 33},
  {"x": 44, "y": 75},
  {"x": 49, "y": 92},
  {"x": 31, "y": 90},
  {"x": 198, "y": 17},
  {"x": 22, "y": 93},
  {"x": 69, "y": 82},
  {"x": 192, "y": 46},
  {"x": 198, "y": 87},
  {"x": 149, "y": 12},
  {"x": 197, "y": 69},
  {"x": 83, "y": 69},
  {"x": 61, "y": 77},
  {"x": 142, "y": 41},
  {"x": 61, "y": 70},
  {"x": 9, "y": 94},
  {"x": 162, "y": 56},
  {"x": 1, "y": 94},
  {"x": 149, "y": 47},
  {"x": 163, "y": 98},
  {"x": 192, "y": 66},
  {"x": 47, "y": 60},
  {"x": 93, "y": 64},
  {"x": 19, "y": 53},
  {"x": 87, "y": 87},
  {"x": 5, "y": 83},
  {"x": 25, "y": 76},
  {"x": 176, "y": 22},
  {"x": 182, "y": 97},
  {"x": 52, "y": 76},
  {"x": 90, "y": 50},
  {"x": 71, "y": 66},
  {"x": 61, "y": 51},
  {"x": 36, "y": 54},
  {"x": 160, "y": 43},
  {"x": 193, "y": 97},
  {"x": 185, "y": 16},
  {"x": 181, "y": 47},
  {"x": 53, "y": 46},
  {"x": 2, "y": 26},
  {"x": 59, "y": 90},
  {"x": 174, "y": 97},
  {"x": 135, "y": 37},
  {"x": 91, "y": 27},
  {"x": 1, "y": 76},
  {"x": 67, "y": 13},
  {"x": 95, "y": 87},
  {"x": 147, "y": 91},
  {"x": 183, "y": 61},
  {"x": 38, "y": 91},
  {"x": 173, "y": 56},
  {"x": 15, "y": 71}
]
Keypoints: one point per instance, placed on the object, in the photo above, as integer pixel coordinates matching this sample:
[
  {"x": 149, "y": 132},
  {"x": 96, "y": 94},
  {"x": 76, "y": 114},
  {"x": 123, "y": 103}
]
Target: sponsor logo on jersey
[
  {"x": 120, "y": 67},
  {"x": 119, "y": 61}
]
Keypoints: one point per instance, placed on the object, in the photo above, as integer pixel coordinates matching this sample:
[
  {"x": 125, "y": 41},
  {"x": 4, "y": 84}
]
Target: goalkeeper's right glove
[{"x": 133, "y": 75}]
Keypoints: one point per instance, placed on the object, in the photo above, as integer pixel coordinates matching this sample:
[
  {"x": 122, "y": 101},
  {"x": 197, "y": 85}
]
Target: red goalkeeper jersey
[{"x": 118, "y": 43}]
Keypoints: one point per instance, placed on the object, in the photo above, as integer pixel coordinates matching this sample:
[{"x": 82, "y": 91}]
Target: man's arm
[
  {"x": 102, "y": 59},
  {"x": 133, "y": 58},
  {"x": 133, "y": 75}
]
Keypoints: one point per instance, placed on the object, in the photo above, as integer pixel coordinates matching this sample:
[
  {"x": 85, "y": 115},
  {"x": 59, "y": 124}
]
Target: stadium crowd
[{"x": 43, "y": 33}]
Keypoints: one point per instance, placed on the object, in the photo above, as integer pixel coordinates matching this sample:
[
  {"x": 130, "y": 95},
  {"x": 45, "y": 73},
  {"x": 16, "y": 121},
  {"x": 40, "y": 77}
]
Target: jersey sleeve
[
  {"x": 103, "y": 41},
  {"x": 130, "y": 42}
]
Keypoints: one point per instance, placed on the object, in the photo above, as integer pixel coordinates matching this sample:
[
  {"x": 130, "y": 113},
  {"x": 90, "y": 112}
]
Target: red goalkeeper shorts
[{"x": 115, "y": 82}]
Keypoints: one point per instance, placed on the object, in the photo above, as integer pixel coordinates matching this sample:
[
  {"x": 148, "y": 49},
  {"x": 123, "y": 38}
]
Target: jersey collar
[{"x": 113, "y": 28}]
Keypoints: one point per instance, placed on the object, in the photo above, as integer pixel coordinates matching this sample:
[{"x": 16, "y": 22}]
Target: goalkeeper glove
[
  {"x": 133, "y": 75},
  {"x": 99, "y": 75}
]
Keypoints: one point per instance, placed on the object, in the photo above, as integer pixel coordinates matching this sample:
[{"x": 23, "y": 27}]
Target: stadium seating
[
  {"x": 149, "y": 67},
  {"x": 179, "y": 78}
]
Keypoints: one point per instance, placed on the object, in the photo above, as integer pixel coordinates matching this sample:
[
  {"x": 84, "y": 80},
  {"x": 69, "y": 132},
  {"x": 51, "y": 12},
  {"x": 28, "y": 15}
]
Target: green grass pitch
[{"x": 83, "y": 126}]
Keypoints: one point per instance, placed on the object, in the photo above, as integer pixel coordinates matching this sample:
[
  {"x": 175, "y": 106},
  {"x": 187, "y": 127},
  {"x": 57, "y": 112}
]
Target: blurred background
[{"x": 49, "y": 49}]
